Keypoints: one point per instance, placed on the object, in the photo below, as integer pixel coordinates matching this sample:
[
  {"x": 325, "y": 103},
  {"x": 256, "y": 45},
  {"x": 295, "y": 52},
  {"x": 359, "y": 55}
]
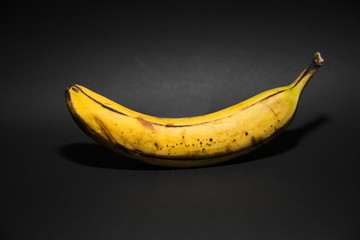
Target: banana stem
[{"x": 308, "y": 72}]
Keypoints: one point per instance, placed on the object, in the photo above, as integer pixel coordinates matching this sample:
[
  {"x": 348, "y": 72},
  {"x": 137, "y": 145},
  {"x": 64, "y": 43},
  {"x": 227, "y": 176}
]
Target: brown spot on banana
[{"x": 146, "y": 124}]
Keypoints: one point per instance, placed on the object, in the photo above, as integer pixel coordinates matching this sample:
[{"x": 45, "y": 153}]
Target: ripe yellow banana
[{"x": 188, "y": 142}]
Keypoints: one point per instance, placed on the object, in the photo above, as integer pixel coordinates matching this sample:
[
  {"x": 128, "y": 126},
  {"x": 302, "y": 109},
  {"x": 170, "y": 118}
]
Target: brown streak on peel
[
  {"x": 272, "y": 110},
  {"x": 146, "y": 124}
]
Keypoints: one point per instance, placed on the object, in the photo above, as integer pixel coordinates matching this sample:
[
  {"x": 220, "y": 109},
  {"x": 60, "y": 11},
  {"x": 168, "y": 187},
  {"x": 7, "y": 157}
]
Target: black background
[{"x": 174, "y": 60}]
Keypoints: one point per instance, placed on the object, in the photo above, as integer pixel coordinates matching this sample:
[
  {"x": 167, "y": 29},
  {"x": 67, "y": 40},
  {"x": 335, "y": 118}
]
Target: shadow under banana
[{"x": 95, "y": 155}]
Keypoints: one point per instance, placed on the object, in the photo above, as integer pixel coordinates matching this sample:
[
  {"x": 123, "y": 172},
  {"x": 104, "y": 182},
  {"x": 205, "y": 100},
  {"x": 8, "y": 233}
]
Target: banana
[{"x": 194, "y": 141}]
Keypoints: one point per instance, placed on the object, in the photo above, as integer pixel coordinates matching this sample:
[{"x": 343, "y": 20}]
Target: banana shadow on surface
[{"x": 95, "y": 155}]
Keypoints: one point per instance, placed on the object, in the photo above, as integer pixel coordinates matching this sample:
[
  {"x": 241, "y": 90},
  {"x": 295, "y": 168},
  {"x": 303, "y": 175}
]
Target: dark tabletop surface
[{"x": 178, "y": 60}]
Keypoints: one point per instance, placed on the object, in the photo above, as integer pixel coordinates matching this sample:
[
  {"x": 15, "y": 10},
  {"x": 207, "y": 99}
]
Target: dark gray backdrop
[{"x": 176, "y": 60}]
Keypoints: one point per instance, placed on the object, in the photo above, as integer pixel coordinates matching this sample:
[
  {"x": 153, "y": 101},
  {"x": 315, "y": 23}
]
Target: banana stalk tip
[{"x": 318, "y": 59}]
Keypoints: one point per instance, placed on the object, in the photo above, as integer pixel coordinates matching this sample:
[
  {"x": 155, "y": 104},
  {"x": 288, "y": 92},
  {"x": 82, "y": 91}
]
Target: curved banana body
[{"x": 188, "y": 142}]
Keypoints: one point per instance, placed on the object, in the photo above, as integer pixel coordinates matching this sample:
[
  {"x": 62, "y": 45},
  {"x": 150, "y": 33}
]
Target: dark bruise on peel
[{"x": 146, "y": 124}]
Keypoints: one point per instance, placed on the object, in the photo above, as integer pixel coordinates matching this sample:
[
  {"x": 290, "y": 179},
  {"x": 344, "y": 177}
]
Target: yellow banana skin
[{"x": 188, "y": 142}]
